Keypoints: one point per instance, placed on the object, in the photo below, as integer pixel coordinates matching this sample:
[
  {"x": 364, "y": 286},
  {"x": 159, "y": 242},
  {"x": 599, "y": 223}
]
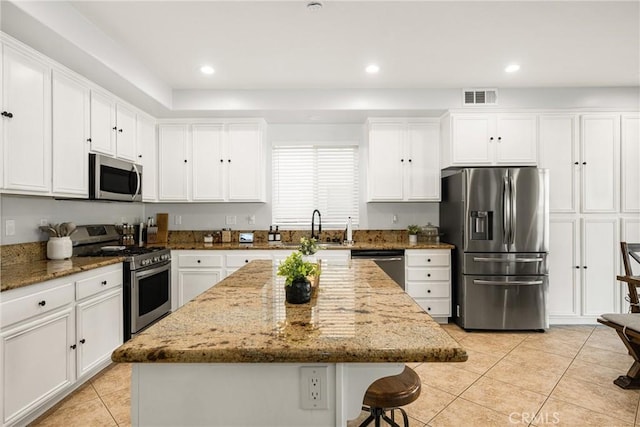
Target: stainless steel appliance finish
[
  {"x": 147, "y": 275},
  {"x": 498, "y": 219},
  {"x": 113, "y": 179},
  {"x": 390, "y": 261}
]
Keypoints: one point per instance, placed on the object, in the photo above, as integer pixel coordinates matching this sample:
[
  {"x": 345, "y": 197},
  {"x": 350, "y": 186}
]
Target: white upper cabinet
[
  {"x": 559, "y": 152},
  {"x": 103, "y": 124},
  {"x": 113, "y": 127},
  {"x": 225, "y": 162},
  {"x": 147, "y": 157},
  {"x": 485, "y": 139},
  {"x": 126, "y": 135},
  {"x": 403, "y": 161},
  {"x": 630, "y": 161},
  {"x": 245, "y": 161},
  {"x": 209, "y": 162},
  {"x": 600, "y": 160},
  {"x": 173, "y": 161},
  {"x": 70, "y": 131},
  {"x": 26, "y": 122}
]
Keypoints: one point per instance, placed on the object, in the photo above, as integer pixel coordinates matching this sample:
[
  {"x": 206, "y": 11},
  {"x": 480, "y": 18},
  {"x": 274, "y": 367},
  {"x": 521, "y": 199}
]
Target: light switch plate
[
  {"x": 10, "y": 227},
  {"x": 230, "y": 220}
]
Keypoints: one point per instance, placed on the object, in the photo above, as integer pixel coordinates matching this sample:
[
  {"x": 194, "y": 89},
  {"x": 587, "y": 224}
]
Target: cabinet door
[
  {"x": 100, "y": 329},
  {"x": 600, "y": 161},
  {"x": 208, "y": 163},
  {"x": 516, "y": 139},
  {"x": 126, "y": 136},
  {"x": 245, "y": 163},
  {"x": 192, "y": 283},
  {"x": 103, "y": 124},
  {"x": 600, "y": 248},
  {"x": 147, "y": 157},
  {"x": 37, "y": 362},
  {"x": 559, "y": 154},
  {"x": 423, "y": 167},
  {"x": 564, "y": 268},
  {"x": 630, "y": 161},
  {"x": 70, "y": 130},
  {"x": 472, "y": 139},
  {"x": 173, "y": 162},
  {"x": 386, "y": 162},
  {"x": 26, "y": 85}
]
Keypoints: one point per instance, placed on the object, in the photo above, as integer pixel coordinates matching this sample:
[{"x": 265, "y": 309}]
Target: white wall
[{"x": 28, "y": 211}]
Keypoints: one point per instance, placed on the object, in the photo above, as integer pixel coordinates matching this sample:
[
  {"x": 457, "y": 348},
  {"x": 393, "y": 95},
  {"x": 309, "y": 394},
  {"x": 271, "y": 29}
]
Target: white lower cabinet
[
  {"x": 428, "y": 280},
  {"x": 583, "y": 263},
  {"x": 197, "y": 272},
  {"x": 52, "y": 340}
]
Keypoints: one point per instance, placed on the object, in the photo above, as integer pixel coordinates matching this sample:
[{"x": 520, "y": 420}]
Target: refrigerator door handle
[
  {"x": 484, "y": 259},
  {"x": 506, "y": 211},
  {"x": 508, "y": 282},
  {"x": 512, "y": 209}
]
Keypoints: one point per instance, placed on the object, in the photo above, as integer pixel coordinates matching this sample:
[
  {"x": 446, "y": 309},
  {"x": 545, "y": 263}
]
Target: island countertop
[{"x": 357, "y": 315}]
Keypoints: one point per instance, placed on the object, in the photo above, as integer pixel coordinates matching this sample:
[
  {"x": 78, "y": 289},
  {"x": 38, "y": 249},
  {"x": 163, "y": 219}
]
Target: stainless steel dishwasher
[{"x": 390, "y": 260}]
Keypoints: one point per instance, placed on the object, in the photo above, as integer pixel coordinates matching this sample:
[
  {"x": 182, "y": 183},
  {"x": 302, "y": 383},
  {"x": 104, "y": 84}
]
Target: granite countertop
[
  {"x": 24, "y": 274},
  {"x": 293, "y": 246},
  {"x": 358, "y": 315}
]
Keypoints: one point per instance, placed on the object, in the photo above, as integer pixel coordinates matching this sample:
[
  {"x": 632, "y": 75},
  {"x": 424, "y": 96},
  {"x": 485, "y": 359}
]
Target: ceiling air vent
[{"x": 477, "y": 97}]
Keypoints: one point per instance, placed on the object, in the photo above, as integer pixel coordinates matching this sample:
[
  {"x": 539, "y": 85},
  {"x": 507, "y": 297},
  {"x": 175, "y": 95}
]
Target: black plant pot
[{"x": 298, "y": 292}]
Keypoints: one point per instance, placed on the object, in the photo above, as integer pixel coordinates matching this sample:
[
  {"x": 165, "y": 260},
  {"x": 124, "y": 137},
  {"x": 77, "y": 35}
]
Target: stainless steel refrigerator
[{"x": 498, "y": 219}]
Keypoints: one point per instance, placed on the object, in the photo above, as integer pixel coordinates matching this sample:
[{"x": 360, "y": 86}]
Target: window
[{"x": 308, "y": 177}]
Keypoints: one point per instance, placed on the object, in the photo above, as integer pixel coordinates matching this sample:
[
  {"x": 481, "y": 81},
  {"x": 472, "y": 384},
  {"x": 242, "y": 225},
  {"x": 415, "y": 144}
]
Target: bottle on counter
[
  {"x": 271, "y": 236},
  {"x": 277, "y": 235}
]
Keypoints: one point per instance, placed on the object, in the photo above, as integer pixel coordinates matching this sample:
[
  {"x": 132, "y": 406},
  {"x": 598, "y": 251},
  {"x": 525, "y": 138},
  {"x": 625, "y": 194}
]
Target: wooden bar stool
[{"x": 389, "y": 394}]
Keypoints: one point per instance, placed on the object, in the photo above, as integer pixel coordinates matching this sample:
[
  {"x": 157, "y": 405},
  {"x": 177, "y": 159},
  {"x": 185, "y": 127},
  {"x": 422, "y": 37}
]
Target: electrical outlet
[
  {"x": 230, "y": 220},
  {"x": 177, "y": 220},
  {"x": 394, "y": 219},
  {"x": 313, "y": 387},
  {"x": 44, "y": 222},
  {"x": 10, "y": 227}
]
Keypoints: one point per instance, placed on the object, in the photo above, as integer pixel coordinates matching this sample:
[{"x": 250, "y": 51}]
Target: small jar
[{"x": 59, "y": 247}]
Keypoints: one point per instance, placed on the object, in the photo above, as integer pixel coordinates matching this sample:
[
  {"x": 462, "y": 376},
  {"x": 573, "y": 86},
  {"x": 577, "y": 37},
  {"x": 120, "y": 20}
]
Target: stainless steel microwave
[{"x": 113, "y": 179}]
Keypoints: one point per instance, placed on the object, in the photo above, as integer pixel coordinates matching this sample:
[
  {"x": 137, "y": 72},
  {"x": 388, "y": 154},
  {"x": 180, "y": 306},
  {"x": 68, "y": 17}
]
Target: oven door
[{"x": 150, "y": 295}]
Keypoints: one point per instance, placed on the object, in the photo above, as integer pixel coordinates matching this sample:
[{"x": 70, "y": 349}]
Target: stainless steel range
[{"x": 147, "y": 274}]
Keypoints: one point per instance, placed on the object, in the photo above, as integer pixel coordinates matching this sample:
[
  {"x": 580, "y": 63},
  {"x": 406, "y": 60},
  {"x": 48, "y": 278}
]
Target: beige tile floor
[{"x": 559, "y": 378}]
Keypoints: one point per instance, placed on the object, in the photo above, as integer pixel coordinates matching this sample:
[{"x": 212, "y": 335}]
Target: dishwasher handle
[{"x": 385, "y": 259}]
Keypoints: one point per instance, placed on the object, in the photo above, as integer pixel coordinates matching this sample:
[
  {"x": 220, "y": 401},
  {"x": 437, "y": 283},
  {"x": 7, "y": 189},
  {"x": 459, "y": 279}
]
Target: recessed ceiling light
[
  {"x": 372, "y": 69},
  {"x": 512, "y": 68},
  {"x": 206, "y": 69},
  {"x": 314, "y": 6}
]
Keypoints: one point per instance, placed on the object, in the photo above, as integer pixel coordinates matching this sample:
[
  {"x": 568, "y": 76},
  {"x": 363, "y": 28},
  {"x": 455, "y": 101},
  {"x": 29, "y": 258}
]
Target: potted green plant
[
  {"x": 413, "y": 231},
  {"x": 296, "y": 272},
  {"x": 308, "y": 246}
]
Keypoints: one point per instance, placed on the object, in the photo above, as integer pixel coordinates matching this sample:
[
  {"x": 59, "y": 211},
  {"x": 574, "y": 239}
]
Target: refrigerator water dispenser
[{"x": 481, "y": 225}]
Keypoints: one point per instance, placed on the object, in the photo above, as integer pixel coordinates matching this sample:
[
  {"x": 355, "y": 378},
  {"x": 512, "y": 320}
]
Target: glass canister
[
  {"x": 431, "y": 233},
  {"x": 59, "y": 247}
]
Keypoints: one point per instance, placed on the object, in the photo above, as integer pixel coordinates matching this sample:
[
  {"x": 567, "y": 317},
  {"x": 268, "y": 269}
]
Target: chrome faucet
[{"x": 313, "y": 217}]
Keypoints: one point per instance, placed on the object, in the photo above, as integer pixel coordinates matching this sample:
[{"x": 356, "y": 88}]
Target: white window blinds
[{"x": 308, "y": 177}]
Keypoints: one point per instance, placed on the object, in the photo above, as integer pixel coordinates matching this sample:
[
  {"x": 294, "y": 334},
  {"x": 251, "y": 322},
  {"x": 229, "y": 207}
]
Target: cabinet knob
[
  {"x": 409, "y": 160},
  {"x": 115, "y": 128},
  {"x": 82, "y": 341},
  {"x": 185, "y": 160},
  {"x": 42, "y": 303},
  {"x": 428, "y": 259},
  {"x": 88, "y": 139},
  {"x": 490, "y": 139},
  {"x": 104, "y": 283},
  {"x": 120, "y": 130},
  {"x": 73, "y": 347},
  {"x": 229, "y": 160},
  {"x": 577, "y": 266},
  {"x": 428, "y": 291},
  {"x": 499, "y": 139},
  {"x": 428, "y": 274},
  {"x": 221, "y": 161},
  {"x": 576, "y": 163},
  {"x": 246, "y": 260},
  {"x": 139, "y": 156},
  {"x": 428, "y": 308},
  {"x": 584, "y": 266},
  {"x": 402, "y": 160},
  {"x": 584, "y": 163},
  {"x": 198, "y": 261},
  {"x": 7, "y": 114}
]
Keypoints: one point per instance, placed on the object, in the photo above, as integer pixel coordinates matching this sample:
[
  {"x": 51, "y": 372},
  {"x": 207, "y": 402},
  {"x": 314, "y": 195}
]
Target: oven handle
[{"x": 140, "y": 274}]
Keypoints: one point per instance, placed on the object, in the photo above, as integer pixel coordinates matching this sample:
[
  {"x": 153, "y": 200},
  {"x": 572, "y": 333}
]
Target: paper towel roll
[{"x": 349, "y": 230}]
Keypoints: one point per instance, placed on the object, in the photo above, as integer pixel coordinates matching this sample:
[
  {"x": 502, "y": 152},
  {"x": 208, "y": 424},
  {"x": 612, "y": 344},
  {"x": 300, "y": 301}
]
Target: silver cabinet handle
[
  {"x": 508, "y": 282},
  {"x": 484, "y": 259}
]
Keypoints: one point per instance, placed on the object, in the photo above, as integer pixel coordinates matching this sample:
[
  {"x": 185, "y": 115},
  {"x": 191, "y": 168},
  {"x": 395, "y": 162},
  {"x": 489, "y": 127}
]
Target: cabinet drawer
[
  {"x": 36, "y": 303},
  {"x": 97, "y": 283},
  {"x": 436, "y": 308},
  {"x": 428, "y": 274},
  {"x": 204, "y": 260},
  {"x": 238, "y": 260},
  {"x": 429, "y": 289},
  {"x": 436, "y": 258}
]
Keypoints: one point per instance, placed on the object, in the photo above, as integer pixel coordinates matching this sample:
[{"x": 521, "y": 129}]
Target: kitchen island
[{"x": 235, "y": 354}]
